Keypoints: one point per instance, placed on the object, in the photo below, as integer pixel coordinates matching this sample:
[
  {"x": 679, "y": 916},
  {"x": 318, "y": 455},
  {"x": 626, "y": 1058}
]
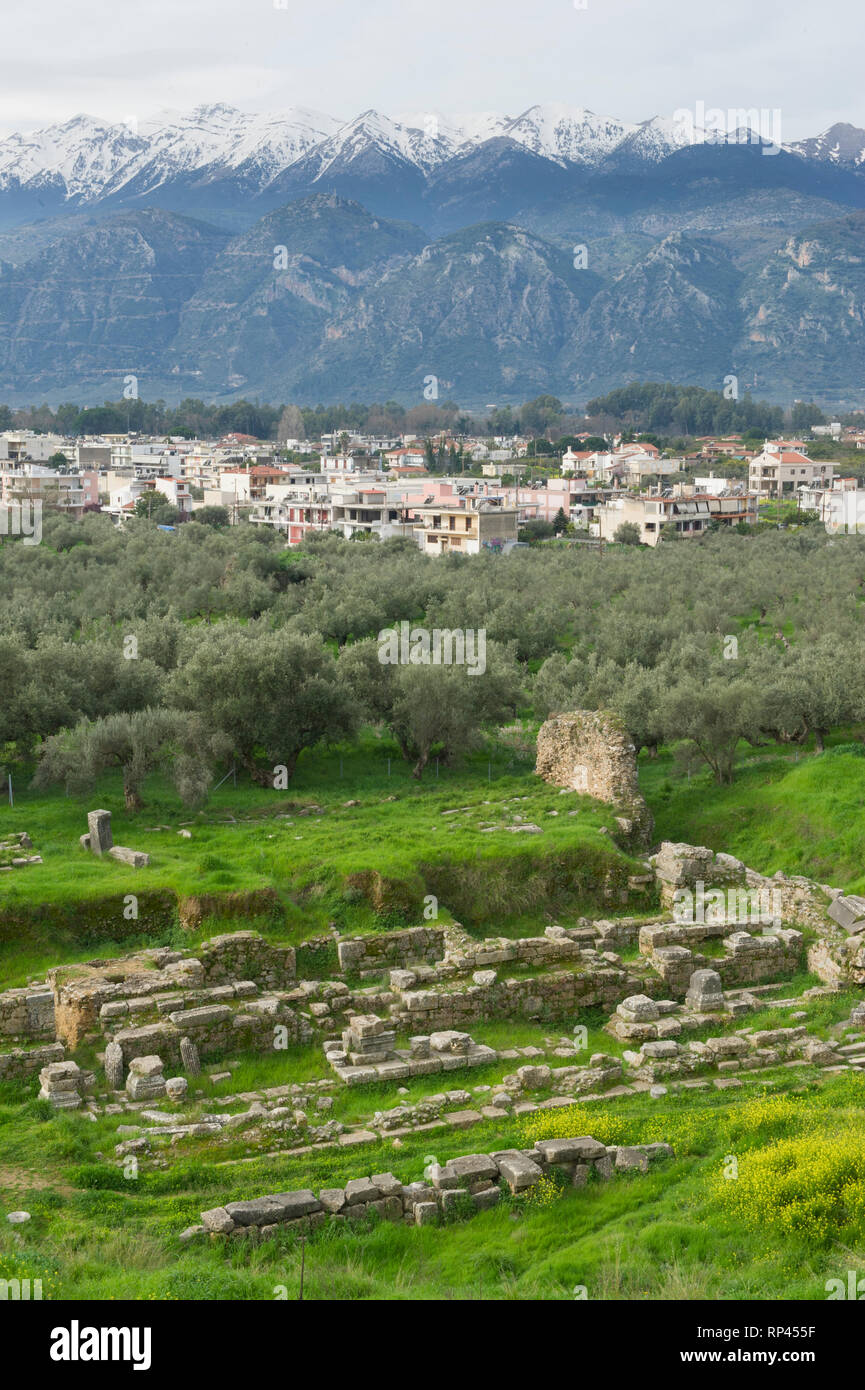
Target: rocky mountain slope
[
  {"x": 323, "y": 300},
  {"x": 217, "y": 252}
]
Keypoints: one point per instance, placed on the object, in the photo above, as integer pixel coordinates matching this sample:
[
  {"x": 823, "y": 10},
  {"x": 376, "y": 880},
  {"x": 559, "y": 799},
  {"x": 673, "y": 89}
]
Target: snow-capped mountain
[
  {"x": 654, "y": 140},
  {"x": 85, "y": 161},
  {"x": 458, "y": 129},
  {"x": 79, "y": 157},
  {"x": 840, "y": 144},
  {"x": 567, "y": 134},
  {"x": 90, "y": 159},
  {"x": 372, "y": 133}
]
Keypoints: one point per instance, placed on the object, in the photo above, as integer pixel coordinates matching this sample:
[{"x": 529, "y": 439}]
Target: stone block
[
  {"x": 150, "y": 1066},
  {"x": 469, "y": 1167},
  {"x": 628, "y": 1158},
  {"x": 519, "y": 1172},
  {"x": 189, "y": 1057},
  {"x": 705, "y": 992},
  {"x": 136, "y": 859},
  {"x": 332, "y": 1199},
  {"x": 387, "y": 1184},
  {"x": 579, "y": 1150},
  {"x": 113, "y": 1063},
  {"x": 638, "y": 1008},
  {"x": 217, "y": 1221},
  {"x": 361, "y": 1190},
  {"x": 99, "y": 828}
]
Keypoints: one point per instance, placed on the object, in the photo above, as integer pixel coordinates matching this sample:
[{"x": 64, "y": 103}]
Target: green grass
[
  {"x": 803, "y": 817},
  {"x": 307, "y": 847},
  {"x": 672, "y": 1234}
]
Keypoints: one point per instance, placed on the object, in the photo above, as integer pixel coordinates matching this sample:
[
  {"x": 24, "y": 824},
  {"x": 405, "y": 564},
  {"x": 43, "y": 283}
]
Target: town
[{"x": 358, "y": 485}]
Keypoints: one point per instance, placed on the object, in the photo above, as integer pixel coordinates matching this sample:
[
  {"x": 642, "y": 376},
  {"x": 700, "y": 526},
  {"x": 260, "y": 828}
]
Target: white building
[
  {"x": 783, "y": 467},
  {"x": 840, "y": 508}
]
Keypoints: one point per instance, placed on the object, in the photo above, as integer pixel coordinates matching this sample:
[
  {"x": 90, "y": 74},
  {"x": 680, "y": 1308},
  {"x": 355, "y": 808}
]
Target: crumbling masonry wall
[{"x": 590, "y": 751}]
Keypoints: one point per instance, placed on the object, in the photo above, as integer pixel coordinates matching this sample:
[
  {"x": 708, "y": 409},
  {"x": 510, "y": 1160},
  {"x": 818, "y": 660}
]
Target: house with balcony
[
  {"x": 67, "y": 492},
  {"x": 690, "y": 516},
  {"x": 465, "y": 526},
  {"x": 783, "y": 467},
  {"x": 841, "y": 508}
]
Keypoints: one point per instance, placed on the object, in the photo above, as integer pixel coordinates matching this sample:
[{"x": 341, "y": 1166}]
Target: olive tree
[
  {"x": 265, "y": 695},
  {"x": 136, "y": 743}
]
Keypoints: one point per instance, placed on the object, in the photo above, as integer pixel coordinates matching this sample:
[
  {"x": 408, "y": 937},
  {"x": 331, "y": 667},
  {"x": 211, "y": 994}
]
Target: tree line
[
  {"x": 193, "y": 650},
  {"x": 667, "y": 410}
]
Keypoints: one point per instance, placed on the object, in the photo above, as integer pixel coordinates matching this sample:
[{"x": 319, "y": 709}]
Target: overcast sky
[{"x": 627, "y": 58}]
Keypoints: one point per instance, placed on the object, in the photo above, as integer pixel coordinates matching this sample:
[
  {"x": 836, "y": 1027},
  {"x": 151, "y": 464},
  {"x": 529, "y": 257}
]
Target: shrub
[{"x": 799, "y": 1186}]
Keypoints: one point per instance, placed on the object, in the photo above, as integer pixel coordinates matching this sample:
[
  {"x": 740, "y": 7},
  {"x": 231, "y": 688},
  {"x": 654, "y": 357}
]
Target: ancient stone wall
[
  {"x": 216, "y": 1030},
  {"x": 27, "y": 1012},
  {"x": 838, "y": 957},
  {"x": 23, "y": 1062},
  {"x": 414, "y": 944},
  {"x": 470, "y": 1183},
  {"x": 244, "y": 955},
  {"x": 557, "y": 994},
  {"x": 590, "y": 751},
  {"x": 749, "y": 960}
]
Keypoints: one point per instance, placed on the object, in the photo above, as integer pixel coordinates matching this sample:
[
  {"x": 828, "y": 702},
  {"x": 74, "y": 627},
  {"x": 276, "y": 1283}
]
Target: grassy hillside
[
  {"x": 803, "y": 816},
  {"x": 786, "y": 1226},
  {"x": 355, "y": 841}
]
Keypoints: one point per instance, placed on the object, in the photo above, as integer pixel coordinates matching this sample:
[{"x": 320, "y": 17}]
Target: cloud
[{"x": 618, "y": 57}]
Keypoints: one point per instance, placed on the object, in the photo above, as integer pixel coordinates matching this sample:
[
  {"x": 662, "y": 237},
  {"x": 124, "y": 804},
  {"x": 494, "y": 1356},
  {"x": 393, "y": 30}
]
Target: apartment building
[
  {"x": 840, "y": 508},
  {"x": 784, "y": 466},
  {"x": 123, "y": 499},
  {"x": 18, "y": 445},
  {"x": 465, "y": 526},
  {"x": 67, "y": 492},
  {"x": 691, "y": 516},
  {"x": 294, "y": 509}
]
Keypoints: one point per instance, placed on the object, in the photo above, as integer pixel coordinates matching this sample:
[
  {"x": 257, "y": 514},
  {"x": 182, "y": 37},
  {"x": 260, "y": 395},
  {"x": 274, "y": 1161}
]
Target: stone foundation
[{"x": 467, "y": 1184}]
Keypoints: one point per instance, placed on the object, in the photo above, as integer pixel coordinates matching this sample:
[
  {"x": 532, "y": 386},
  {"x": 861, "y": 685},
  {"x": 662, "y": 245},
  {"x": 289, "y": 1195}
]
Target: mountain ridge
[{"x": 86, "y": 160}]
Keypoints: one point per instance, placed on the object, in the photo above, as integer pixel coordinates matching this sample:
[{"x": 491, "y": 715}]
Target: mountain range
[{"x": 219, "y": 253}]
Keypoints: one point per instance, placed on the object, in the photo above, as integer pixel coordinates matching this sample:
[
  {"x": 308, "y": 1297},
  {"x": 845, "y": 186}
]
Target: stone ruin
[
  {"x": 65, "y": 1084},
  {"x": 590, "y": 751},
  {"x": 472, "y": 1182},
  {"x": 146, "y": 1081},
  {"x": 705, "y": 994},
  {"x": 99, "y": 841},
  {"x": 163, "y": 1010},
  {"x": 14, "y": 846},
  {"x": 368, "y": 1052},
  {"x": 848, "y": 911}
]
